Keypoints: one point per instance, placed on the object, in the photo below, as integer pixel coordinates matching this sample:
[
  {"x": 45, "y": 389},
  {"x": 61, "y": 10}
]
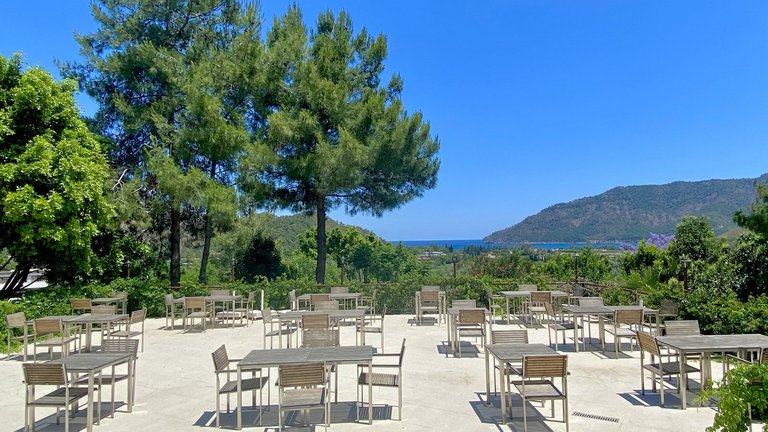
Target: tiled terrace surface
[{"x": 175, "y": 388}]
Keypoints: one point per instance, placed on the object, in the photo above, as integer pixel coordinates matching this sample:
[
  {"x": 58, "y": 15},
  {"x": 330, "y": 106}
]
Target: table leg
[
  {"x": 370, "y": 393},
  {"x": 89, "y": 409},
  {"x": 503, "y": 390},
  {"x": 487, "y": 378},
  {"x": 131, "y": 383},
  {"x": 601, "y": 330},
  {"x": 506, "y": 311},
  {"x": 240, "y": 398},
  {"x": 575, "y": 332},
  {"x": 683, "y": 379}
]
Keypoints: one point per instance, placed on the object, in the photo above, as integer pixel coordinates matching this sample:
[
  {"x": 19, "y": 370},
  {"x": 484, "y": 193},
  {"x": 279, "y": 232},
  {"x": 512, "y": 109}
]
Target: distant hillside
[{"x": 631, "y": 212}]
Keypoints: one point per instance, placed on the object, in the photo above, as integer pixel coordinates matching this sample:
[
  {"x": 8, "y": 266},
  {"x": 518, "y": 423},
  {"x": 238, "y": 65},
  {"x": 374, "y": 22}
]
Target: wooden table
[
  {"x": 91, "y": 363},
  {"x": 508, "y": 353},
  {"x": 706, "y": 345},
  {"x": 90, "y": 319},
  {"x": 601, "y": 312},
  {"x": 296, "y": 317},
  {"x": 272, "y": 358},
  {"x": 526, "y": 294},
  {"x": 223, "y": 299},
  {"x": 304, "y": 298}
]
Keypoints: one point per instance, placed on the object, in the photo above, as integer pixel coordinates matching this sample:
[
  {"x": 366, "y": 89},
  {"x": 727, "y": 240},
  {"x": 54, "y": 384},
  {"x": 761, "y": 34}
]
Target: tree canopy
[
  {"x": 52, "y": 177},
  {"x": 337, "y": 137}
]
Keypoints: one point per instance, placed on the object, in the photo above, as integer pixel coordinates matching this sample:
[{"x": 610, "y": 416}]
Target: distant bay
[{"x": 461, "y": 244}]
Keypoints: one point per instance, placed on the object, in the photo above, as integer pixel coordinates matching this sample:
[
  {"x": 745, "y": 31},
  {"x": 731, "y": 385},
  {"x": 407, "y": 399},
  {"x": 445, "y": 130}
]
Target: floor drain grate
[{"x": 596, "y": 417}]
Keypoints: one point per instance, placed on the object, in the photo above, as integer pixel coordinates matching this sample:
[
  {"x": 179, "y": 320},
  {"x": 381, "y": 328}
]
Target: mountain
[{"x": 632, "y": 212}]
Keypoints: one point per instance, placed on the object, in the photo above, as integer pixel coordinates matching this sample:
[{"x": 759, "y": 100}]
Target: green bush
[{"x": 741, "y": 387}]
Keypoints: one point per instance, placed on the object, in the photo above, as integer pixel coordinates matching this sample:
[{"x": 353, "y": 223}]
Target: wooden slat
[
  {"x": 628, "y": 316},
  {"x": 682, "y": 328},
  {"x": 320, "y": 321},
  {"x": 314, "y": 338},
  {"x": 15, "y": 320},
  {"x": 545, "y": 366},
  {"x": 509, "y": 336},
  {"x": 471, "y": 316},
  {"x": 120, "y": 345},
  {"x": 44, "y": 374},
  {"x": 648, "y": 343},
  {"x": 103, "y": 310},
  {"x": 47, "y": 326},
  {"x": 220, "y": 358},
  {"x": 302, "y": 375},
  {"x": 194, "y": 303}
]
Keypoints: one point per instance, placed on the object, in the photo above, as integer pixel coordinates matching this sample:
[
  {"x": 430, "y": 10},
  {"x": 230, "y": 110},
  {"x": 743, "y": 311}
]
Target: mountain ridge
[{"x": 632, "y": 212}]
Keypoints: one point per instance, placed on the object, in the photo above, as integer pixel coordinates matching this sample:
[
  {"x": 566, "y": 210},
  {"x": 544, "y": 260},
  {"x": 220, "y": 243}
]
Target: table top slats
[
  {"x": 93, "y": 361},
  {"x": 514, "y": 352},
  {"x": 275, "y": 357},
  {"x": 714, "y": 343}
]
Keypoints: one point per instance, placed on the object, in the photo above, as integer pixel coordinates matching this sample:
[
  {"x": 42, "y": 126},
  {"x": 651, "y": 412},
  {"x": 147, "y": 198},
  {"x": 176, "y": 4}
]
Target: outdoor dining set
[{"x": 668, "y": 347}]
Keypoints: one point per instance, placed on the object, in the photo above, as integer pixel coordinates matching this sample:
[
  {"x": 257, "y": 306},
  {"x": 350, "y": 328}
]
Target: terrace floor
[{"x": 175, "y": 388}]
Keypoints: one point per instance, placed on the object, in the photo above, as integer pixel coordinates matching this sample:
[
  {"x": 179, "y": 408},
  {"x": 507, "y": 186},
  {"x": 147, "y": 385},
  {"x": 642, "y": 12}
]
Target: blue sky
[{"x": 535, "y": 102}]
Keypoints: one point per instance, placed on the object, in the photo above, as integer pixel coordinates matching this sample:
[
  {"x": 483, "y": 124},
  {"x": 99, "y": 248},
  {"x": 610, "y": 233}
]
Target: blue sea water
[{"x": 461, "y": 244}]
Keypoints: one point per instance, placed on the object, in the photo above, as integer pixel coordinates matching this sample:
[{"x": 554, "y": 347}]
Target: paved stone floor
[{"x": 175, "y": 388}]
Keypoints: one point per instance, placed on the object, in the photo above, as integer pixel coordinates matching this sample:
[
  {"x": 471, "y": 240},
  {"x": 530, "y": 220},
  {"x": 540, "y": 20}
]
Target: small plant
[{"x": 742, "y": 387}]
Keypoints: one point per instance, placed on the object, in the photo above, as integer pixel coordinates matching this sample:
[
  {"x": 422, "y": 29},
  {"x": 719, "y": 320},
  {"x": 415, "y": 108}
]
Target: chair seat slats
[{"x": 58, "y": 397}]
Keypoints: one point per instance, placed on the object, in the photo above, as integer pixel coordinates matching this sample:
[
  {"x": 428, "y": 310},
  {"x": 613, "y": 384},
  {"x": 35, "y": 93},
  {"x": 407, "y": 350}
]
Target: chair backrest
[
  {"x": 682, "y": 328},
  {"x": 430, "y": 296},
  {"x": 220, "y": 358},
  {"x": 527, "y": 287},
  {"x": 668, "y": 307},
  {"x": 220, "y": 292},
  {"x": 327, "y": 305},
  {"x": 577, "y": 290},
  {"x": 119, "y": 294},
  {"x": 315, "y": 298},
  {"x": 591, "y": 301},
  {"x": 80, "y": 304},
  {"x": 45, "y": 374},
  {"x": 104, "y": 310},
  {"x": 430, "y": 288},
  {"x": 509, "y": 336},
  {"x": 194, "y": 302},
  {"x": 138, "y": 316},
  {"x": 628, "y": 316},
  {"x": 169, "y": 299},
  {"x": 251, "y": 297},
  {"x": 316, "y": 321},
  {"x": 15, "y": 320},
  {"x": 464, "y": 304},
  {"x": 648, "y": 343},
  {"x": 402, "y": 353},
  {"x": 318, "y": 338},
  {"x": 266, "y": 315},
  {"x": 47, "y": 326},
  {"x": 545, "y": 366},
  {"x": 541, "y": 297},
  {"x": 471, "y": 316},
  {"x": 550, "y": 309},
  {"x": 120, "y": 345},
  {"x": 339, "y": 290},
  {"x": 301, "y": 375}
]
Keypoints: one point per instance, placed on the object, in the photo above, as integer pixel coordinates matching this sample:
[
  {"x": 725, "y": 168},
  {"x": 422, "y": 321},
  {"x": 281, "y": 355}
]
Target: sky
[{"x": 534, "y": 102}]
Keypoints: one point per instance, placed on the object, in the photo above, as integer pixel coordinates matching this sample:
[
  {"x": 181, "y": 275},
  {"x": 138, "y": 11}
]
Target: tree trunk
[
  {"x": 321, "y": 246},
  {"x": 208, "y": 233},
  {"x": 15, "y": 283},
  {"x": 203, "y": 277},
  {"x": 175, "y": 246}
]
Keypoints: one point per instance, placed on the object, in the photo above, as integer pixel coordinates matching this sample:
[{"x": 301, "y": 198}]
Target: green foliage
[
  {"x": 750, "y": 257},
  {"x": 744, "y": 386},
  {"x": 511, "y": 265},
  {"x": 261, "y": 258},
  {"x": 52, "y": 173},
  {"x": 337, "y": 136},
  {"x": 630, "y": 213},
  {"x": 695, "y": 240},
  {"x": 757, "y": 220}
]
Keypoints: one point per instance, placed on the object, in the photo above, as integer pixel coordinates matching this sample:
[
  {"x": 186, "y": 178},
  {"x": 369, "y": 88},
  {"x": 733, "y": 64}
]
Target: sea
[{"x": 461, "y": 244}]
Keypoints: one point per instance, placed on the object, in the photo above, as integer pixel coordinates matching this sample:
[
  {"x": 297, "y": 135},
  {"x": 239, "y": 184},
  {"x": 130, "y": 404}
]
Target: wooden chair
[
  {"x": 496, "y": 303},
  {"x": 537, "y": 375},
  {"x": 315, "y": 298},
  {"x": 380, "y": 379},
  {"x": 172, "y": 308},
  {"x": 368, "y": 303},
  {"x": 326, "y": 305},
  {"x": 269, "y": 318},
  {"x": 112, "y": 378},
  {"x": 633, "y": 319},
  {"x": 17, "y": 321},
  {"x": 315, "y": 321},
  {"x": 429, "y": 301},
  {"x": 464, "y": 303},
  {"x": 365, "y": 328},
  {"x": 293, "y": 301},
  {"x": 137, "y": 317},
  {"x": 321, "y": 338},
  {"x": 472, "y": 324},
  {"x": 246, "y": 309},
  {"x": 65, "y": 396},
  {"x": 660, "y": 368},
  {"x": 55, "y": 336},
  {"x": 196, "y": 307},
  {"x": 221, "y": 366},
  {"x": 303, "y": 387},
  {"x": 535, "y": 305},
  {"x": 339, "y": 290},
  {"x": 558, "y": 323},
  {"x": 80, "y": 305},
  {"x": 590, "y": 319},
  {"x": 122, "y": 307},
  {"x": 514, "y": 336}
]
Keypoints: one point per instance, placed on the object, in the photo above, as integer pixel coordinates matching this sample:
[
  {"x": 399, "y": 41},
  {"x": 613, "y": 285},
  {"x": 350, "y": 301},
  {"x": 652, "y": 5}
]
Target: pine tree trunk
[
  {"x": 321, "y": 246},
  {"x": 175, "y": 246},
  {"x": 203, "y": 277}
]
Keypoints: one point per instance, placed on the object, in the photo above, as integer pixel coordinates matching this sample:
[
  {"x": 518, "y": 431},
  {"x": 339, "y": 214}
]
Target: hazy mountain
[{"x": 631, "y": 212}]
